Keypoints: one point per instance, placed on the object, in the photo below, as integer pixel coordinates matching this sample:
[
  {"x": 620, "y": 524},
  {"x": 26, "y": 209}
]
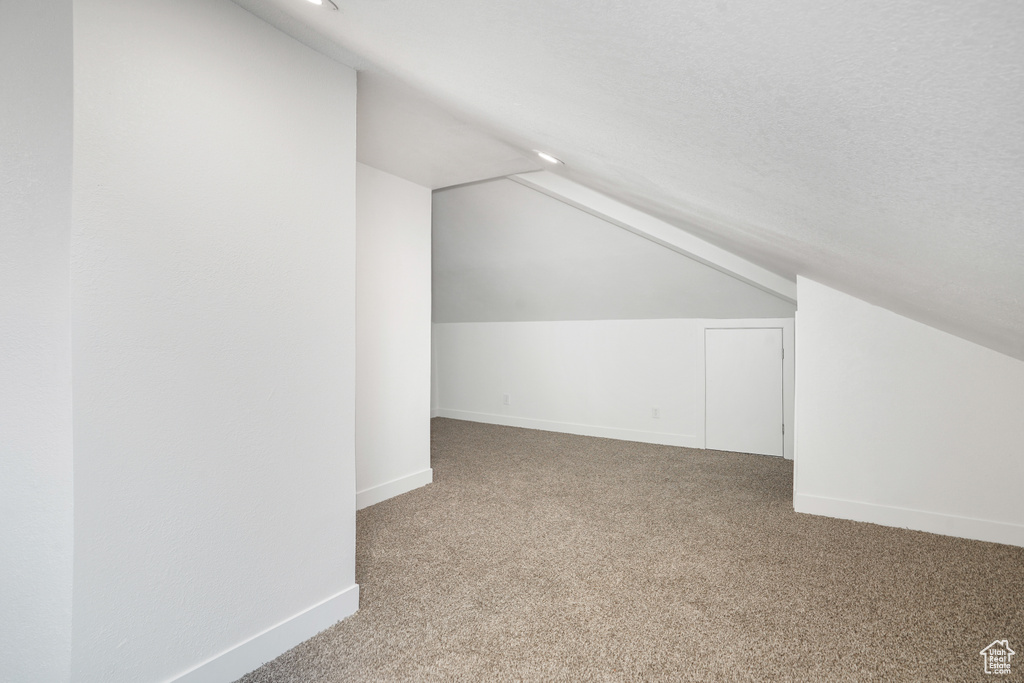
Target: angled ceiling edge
[{"x": 658, "y": 231}]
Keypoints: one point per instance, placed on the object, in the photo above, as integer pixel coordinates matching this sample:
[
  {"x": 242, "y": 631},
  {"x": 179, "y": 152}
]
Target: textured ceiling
[
  {"x": 875, "y": 146},
  {"x": 406, "y": 134}
]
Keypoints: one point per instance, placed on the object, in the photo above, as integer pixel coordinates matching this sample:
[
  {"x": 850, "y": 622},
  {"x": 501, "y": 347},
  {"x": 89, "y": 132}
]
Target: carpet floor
[{"x": 537, "y": 556}]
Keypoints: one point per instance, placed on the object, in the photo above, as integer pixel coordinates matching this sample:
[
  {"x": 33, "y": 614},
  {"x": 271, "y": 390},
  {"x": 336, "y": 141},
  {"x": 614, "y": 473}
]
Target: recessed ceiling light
[
  {"x": 328, "y": 4},
  {"x": 548, "y": 158}
]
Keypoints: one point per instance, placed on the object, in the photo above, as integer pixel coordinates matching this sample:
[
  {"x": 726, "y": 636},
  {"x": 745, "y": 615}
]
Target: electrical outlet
[
  {"x": 656, "y": 413},
  {"x": 506, "y": 400}
]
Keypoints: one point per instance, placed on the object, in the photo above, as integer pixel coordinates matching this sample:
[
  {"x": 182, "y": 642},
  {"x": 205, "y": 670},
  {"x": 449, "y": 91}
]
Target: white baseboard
[
  {"x": 905, "y": 518},
  {"x": 687, "y": 440},
  {"x": 395, "y": 487},
  {"x": 251, "y": 654}
]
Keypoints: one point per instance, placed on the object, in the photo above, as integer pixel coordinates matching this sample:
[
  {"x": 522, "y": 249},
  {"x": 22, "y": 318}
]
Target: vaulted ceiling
[{"x": 876, "y": 146}]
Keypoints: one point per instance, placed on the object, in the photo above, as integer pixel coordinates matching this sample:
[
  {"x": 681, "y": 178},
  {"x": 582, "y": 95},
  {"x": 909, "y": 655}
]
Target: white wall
[
  {"x": 434, "y": 400},
  {"x": 584, "y": 323},
  {"x": 213, "y": 275},
  {"x": 36, "y": 491},
  {"x": 901, "y": 424},
  {"x": 392, "y": 336},
  {"x": 598, "y": 378},
  {"x": 506, "y": 252}
]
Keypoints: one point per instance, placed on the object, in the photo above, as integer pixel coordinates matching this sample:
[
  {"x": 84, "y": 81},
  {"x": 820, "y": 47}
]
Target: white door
[{"x": 743, "y": 390}]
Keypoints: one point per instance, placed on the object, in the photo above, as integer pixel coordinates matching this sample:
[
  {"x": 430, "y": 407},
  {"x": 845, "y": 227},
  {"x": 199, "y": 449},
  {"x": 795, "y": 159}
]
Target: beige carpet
[{"x": 547, "y": 557}]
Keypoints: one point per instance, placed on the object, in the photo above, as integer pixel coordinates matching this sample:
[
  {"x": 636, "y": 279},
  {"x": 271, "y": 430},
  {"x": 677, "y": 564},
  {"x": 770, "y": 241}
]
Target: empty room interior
[{"x": 385, "y": 340}]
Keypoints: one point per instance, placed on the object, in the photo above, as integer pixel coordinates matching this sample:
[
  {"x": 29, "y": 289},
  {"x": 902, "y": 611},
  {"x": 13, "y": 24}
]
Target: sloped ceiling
[
  {"x": 503, "y": 252},
  {"x": 876, "y": 146},
  {"x": 407, "y": 134}
]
